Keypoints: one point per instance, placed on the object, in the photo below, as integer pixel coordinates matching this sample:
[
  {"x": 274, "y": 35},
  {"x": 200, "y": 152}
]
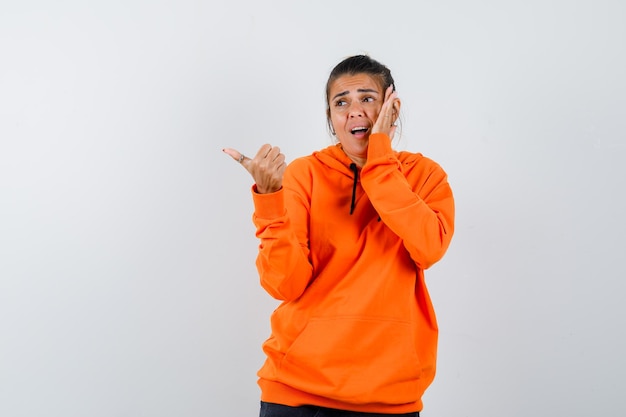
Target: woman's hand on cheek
[{"x": 386, "y": 122}]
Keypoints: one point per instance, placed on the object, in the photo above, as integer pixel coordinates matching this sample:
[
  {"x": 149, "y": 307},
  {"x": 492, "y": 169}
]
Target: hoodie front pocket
[{"x": 355, "y": 360}]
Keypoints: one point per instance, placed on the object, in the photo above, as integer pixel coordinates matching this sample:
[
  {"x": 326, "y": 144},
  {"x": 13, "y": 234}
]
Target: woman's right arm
[{"x": 281, "y": 220}]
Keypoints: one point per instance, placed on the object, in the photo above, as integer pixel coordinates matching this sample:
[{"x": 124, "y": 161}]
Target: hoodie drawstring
[{"x": 356, "y": 175}]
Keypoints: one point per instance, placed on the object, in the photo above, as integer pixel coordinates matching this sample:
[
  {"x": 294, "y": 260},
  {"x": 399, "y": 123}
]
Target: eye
[
  {"x": 340, "y": 103},
  {"x": 368, "y": 99}
]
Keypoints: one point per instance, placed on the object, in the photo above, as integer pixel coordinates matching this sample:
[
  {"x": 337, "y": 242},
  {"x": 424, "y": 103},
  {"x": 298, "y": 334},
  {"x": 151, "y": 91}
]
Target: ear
[{"x": 396, "y": 110}]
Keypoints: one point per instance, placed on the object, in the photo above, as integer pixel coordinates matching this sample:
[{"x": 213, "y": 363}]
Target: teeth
[{"x": 358, "y": 128}]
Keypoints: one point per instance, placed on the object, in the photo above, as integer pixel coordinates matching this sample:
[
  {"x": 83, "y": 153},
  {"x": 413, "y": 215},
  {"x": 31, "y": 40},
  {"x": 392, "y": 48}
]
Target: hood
[{"x": 334, "y": 157}]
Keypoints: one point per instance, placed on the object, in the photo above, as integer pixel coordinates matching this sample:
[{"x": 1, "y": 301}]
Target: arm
[
  {"x": 281, "y": 220},
  {"x": 418, "y": 206},
  {"x": 283, "y": 259}
]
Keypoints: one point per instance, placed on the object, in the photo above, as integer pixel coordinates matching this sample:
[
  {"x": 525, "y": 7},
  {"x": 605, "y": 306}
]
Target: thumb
[{"x": 235, "y": 154}]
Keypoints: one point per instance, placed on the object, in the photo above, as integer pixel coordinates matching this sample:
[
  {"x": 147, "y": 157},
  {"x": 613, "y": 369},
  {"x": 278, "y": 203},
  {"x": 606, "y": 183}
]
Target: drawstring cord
[
  {"x": 355, "y": 171},
  {"x": 356, "y": 175}
]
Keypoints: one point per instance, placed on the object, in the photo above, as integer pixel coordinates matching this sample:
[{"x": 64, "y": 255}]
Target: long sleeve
[
  {"x": 283, "y": 259},
  {"x": 417, "y": 204}
]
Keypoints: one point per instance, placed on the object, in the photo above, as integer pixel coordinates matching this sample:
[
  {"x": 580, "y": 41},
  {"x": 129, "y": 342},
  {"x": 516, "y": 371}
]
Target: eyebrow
[{"x": 360, "y": 90}]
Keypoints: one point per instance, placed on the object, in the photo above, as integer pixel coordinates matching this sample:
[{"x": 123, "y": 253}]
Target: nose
[{"x": 356, "y": 110}]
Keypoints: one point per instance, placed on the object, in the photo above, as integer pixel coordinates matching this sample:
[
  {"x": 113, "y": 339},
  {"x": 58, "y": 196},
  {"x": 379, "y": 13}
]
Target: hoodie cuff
[
  {"x": 379, "y": 146},
  {"x": 270, "y": 205}
]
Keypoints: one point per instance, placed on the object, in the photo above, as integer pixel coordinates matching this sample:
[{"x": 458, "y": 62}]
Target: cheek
[
  {"x": 336, "y": 118},
  {"x": 374, "y": 112},
  {"x": 373, "y": 115}
]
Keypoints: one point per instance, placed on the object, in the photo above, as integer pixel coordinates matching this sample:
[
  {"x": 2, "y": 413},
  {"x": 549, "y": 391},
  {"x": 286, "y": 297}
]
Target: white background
[{"x": 127, "y": 277}]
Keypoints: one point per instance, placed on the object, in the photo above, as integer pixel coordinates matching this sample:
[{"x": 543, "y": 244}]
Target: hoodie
[{"x": 345, "y": 249}]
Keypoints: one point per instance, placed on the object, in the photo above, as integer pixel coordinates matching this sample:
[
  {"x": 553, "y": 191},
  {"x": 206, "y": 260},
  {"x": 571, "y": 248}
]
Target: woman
[{"x": 345, "y": 236}]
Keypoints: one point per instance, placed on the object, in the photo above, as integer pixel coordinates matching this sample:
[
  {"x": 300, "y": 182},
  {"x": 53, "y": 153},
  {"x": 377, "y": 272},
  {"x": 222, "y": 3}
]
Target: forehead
[{"x": 355, "y": 82}]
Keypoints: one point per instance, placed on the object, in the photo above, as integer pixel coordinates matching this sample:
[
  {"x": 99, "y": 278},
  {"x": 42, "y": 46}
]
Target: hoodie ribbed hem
[{"x": 275, "y": 392}]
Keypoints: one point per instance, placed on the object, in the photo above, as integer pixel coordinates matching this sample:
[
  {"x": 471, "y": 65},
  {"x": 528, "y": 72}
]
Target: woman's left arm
[{"x": 417, "y": 205}]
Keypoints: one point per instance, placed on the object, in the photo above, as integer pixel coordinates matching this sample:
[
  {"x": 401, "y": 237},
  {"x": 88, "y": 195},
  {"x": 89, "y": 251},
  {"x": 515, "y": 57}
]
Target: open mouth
[{"x": 360, "y": 130}]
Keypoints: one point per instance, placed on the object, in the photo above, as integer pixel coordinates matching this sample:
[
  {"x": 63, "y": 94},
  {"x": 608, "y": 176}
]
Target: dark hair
[{"x": 358, "y": 64}]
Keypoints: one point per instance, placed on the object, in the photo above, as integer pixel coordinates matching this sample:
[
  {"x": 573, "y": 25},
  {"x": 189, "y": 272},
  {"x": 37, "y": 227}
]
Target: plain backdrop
[{"x": 127, "y": 277}]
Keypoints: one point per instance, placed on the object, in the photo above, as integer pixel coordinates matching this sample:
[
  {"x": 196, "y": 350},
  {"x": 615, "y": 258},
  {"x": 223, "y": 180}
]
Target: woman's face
[{"x": 354, "y": 103}]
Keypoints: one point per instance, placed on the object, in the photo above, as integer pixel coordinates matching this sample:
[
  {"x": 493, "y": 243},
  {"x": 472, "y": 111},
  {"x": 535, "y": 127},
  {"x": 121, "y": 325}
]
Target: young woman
[{"x": 345, "y": 236}]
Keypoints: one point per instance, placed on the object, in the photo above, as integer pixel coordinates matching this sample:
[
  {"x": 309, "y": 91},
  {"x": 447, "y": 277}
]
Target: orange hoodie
[{"x": 356, "y": 329}]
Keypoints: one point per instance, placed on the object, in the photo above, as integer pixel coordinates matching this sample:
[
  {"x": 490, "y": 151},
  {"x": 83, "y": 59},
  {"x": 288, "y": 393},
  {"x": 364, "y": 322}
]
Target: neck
[{"x": 358, "y": 160}]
